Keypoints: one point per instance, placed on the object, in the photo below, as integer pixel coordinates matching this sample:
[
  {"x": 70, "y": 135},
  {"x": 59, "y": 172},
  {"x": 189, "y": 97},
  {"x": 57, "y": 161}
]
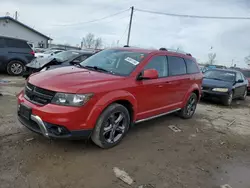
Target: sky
[{"x": 63, "y": 20}]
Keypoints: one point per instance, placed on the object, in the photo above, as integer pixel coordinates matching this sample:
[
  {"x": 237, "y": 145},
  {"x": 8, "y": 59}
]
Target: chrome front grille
[{"x": 38, "y": 95}]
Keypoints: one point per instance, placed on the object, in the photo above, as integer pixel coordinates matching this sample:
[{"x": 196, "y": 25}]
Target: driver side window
[
  {"x": 159, "y": 63},
  {"x": 238, "y": 77}
]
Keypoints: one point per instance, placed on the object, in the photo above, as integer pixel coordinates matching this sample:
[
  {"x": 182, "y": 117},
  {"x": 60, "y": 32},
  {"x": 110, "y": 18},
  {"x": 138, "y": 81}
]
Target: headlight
[
  {"x": 220, "y": 89},
  {"x": 66, "y": 99},
  {"x": 44, "y": 69}
]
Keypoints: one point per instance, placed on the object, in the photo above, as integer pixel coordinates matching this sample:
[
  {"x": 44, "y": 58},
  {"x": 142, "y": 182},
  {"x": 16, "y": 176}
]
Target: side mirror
[
  {"x": 240, "y": 81},
  {"x": 75, "y": 61},
  {"x": 149, "y": 74}
]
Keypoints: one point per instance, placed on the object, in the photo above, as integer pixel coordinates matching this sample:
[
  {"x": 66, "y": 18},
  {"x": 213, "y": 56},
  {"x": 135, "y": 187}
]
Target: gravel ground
[{"x": 212, "y": 149}]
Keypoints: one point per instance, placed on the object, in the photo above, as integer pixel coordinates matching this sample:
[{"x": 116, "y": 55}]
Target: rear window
[
  {"x": 177, "y": 66},
  {"x": 16, "y": 43},
  {"x": 191, "y": 66}
]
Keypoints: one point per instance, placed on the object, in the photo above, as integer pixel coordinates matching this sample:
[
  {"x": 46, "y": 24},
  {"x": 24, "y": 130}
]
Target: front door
[
  {"x": 152, "y": 94},
  {"x": 239, "y": 86}
]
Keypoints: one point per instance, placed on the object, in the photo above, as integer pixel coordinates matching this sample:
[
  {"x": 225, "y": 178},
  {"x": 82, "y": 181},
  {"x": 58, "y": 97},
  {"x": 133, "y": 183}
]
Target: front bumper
[
  {"x": 37, "y": 125},
  {"x": 210, "y": 93},
  {"x": 74, "y": 122}
]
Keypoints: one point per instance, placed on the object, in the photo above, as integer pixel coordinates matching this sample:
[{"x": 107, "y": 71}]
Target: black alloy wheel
[
  {"x": 15, "y": 68},
  {"x": 189, "y": 110},
  {"x": 111, "y": 126}
]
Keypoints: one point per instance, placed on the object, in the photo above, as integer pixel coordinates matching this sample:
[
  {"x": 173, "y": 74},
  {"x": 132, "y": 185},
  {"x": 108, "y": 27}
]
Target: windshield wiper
[
  {"x": 215, "y": 78},
  {"x": 95, "y": 68}
]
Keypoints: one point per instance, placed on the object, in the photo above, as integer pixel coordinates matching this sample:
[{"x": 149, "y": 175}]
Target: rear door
[
  {"x": 3, "y": 54},
  {"x": 20, "y": 49},
  {"x": 178, "y": 78}
]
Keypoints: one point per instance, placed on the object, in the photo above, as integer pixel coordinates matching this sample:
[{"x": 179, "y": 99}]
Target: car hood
[
  {"x": 38, "y": 63},
  {"x": 216, "y": 83},
  {"x": 71, "y": 79}
]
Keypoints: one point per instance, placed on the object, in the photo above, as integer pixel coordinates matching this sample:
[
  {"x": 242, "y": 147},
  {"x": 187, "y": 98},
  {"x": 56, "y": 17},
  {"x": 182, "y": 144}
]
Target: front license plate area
[{"x": 25, "y": 111}]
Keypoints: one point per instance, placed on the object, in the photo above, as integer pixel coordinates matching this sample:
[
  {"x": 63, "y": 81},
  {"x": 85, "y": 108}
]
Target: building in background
[{"x": 10, "y": 27}]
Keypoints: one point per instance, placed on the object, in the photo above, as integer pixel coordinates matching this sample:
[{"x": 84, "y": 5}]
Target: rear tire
[
  {"x": 111, "y": 126},
  {"x": 227, "y": 100},
  {"x": 188, "y": 111},
  {"x": 15, "y": 68}
]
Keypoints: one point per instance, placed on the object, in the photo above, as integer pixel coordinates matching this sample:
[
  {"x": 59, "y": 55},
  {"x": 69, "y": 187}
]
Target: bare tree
[
  {"x": 98, "y": 43},
  {"x": 211, "y": 58},
  {"x": 89, "y": 41},
  {"x": 247, "y": 60}
]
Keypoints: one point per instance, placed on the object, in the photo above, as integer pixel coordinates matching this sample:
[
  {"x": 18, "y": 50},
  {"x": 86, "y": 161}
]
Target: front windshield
[
  {"x": 64, "y": 56},
  {"x": 246, "y": 73},
  {"x": 119, "y": 62},
  {"x": 220, "y": 75}
]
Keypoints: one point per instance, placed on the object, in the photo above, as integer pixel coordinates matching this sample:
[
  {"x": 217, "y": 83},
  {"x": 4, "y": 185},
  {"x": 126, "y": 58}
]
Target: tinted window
[
  {"x": 176, "y": 66},
  {"x": 220, "y": 75},
  {"x": 238, "y": 77},
  {"x": 158, "y": 63},
  {"x": 16, "y": 43},
  {"x": 191, "y": 66},
  {"x": 1, "y": 43}
]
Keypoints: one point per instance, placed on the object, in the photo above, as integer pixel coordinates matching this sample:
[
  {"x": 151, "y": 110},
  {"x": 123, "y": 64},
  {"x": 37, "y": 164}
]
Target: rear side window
[
  {"x": 1, "y": 43},
  {"x": 191, "y": 66},
  {"x": 16, "y": 43},
  {"x": 177, "y": 66}
]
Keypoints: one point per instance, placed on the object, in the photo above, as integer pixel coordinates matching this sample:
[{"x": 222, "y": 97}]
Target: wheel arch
[
  {"x": 121, "y": 97},
  {"x": 194, "y": 89},
  {"x": 15, "y": 59}
]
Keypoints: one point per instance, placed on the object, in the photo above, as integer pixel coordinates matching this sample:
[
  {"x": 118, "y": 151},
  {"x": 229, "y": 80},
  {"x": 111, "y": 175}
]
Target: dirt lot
[{"x": 209, "y": 151}]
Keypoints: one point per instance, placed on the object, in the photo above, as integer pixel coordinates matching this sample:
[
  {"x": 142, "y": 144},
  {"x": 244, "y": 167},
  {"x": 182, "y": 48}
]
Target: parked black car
[
  {"x": 61, "y": 59},
  {"x": 224, "y": 84},
  {"x": 14, "y": 55}
]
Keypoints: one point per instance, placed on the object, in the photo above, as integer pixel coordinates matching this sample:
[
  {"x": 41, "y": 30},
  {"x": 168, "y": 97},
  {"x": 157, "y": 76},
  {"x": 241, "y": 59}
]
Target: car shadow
[
  {"x": 88, "y": 145},
  {"x": 236, "y": 103}
]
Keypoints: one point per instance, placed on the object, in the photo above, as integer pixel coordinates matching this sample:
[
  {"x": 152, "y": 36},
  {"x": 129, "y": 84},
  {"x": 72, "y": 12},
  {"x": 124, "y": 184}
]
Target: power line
[
  {"x": 124, "y": 32},
  {"x": 194, "y": 16},
  {"x": 95, "y": 20}
]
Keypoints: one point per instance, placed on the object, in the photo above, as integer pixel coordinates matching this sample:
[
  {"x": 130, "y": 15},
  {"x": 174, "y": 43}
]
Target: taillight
[{"x": 32, "y": 52}]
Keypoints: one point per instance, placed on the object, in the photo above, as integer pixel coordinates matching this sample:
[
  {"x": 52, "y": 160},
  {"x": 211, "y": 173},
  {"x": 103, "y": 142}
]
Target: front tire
[
  {"x": 15, "y": 68},
  {"x": 244, "y": 95},
  {"x": 111, "y": 126},
  {"x": 227, "y": 100},
  {"x": 188, "y": 111}
]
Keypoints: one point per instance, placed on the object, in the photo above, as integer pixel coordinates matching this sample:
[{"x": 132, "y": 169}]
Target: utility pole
[
  {"x": 16, "y": 15},
  {"x": 130, "y": 24}
]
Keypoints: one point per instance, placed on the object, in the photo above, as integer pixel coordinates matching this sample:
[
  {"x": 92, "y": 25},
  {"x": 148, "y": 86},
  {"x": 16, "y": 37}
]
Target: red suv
[
  {"x": 246, "y": 73},
  {"x": 101, "y": 97}
]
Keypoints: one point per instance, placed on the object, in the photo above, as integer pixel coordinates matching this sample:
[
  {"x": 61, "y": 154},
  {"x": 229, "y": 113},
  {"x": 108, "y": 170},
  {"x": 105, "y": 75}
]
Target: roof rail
[{"x": 174, "y": 50}]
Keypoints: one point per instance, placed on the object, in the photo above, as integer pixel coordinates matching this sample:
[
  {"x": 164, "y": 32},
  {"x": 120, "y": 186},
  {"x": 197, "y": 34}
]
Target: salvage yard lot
[{"x": 212, "y": 149}]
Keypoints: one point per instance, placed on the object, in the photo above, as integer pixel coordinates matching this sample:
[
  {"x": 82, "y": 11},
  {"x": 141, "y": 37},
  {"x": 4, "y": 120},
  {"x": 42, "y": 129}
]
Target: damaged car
[{"x": 62, "y": 59}]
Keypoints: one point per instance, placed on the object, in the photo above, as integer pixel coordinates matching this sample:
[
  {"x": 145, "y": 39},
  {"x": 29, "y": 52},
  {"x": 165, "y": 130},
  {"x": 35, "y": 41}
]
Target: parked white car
[{"x": 47, "y": 53}]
